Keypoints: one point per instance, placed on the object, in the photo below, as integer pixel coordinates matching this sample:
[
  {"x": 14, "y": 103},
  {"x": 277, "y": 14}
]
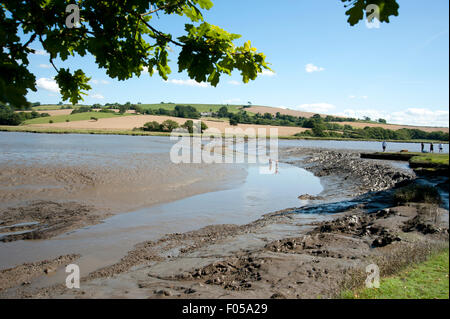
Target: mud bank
[
  {"x": 307, "y": 252},
  {"x": 344, "y": 173},
  {"x": 47, "y": 200},
  {"x": 277, "y": 256}
]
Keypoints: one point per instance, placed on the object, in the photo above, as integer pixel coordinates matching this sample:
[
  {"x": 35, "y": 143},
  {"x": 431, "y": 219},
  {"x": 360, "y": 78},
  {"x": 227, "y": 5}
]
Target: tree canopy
[{"x": 123, "y": 39}]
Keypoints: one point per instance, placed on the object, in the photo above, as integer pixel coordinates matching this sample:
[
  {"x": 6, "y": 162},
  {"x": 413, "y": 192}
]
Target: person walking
[
  {"x": 431, "y": 148},
  {"x": 441, "y": 148},
  {"x": 422, "y": 145},
  {"x": 384, "y": 144}
]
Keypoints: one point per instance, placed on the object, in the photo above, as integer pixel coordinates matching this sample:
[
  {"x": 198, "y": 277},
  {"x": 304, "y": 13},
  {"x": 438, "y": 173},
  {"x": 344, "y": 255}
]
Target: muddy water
[{"x": 103, "y": 244}]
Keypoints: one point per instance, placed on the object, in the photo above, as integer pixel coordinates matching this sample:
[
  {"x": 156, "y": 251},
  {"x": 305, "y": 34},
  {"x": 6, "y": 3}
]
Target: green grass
[
  {"x": 200, "y": 107},
  {"x": 52, "y": 107},
  {"x": 430, "y": 159},
  {"x": 417, "y": 194},
  {"x": 427, "y": 280},
  {"x": 72, "y": 117}
]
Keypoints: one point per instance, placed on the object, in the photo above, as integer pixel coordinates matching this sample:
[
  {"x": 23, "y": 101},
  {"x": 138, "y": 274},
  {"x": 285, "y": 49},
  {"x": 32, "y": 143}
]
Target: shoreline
[
  {"x": 42, "y": 130},
  {"x": 208, "y": 246}
]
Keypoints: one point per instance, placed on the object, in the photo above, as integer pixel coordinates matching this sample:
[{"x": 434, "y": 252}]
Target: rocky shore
[{"x": 345, "y": 173}]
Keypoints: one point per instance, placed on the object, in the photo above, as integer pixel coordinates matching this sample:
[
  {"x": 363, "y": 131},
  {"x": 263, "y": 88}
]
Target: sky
[{"x": 399, "y": 71}]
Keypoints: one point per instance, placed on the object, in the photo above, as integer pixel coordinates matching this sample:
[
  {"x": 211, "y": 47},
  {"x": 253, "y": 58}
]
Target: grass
[
  {"x": 52, "y": 107},
  {"x": 72, "y": 117},
  {"x": 417, "y": 194},
  {"x": 200, "y": 107},
  {"x": 427, "y": 280},
  {"x": 430, "y": 159}
]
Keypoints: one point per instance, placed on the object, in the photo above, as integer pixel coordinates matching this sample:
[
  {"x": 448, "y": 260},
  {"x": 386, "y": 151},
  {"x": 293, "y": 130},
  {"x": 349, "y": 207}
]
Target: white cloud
[
  {"x": 97, "y": 96},
  {"x": 41, "y": 52},
  {"x": 268, "y": 73},
  {"x": 45, "y": 66},
  {"x": 47, "y": 84},
  {"x": 410, "y": 116},
  {"x": 313, "y": 68},
  {"x": 232, "y": 101},
  {"x": 189, "y": 82},
  {"x": 99, "y": 82},
  {"x": 324, "y": 108},
  {"x": 233, "y": 82}
]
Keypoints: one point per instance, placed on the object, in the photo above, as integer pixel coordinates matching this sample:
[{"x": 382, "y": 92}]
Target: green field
[
  {"x": 428, "y": 280},
  {"x": 200, "y": 107},
  {"x": 430, "y": 159},
  {"x": 72, "y": 117},
  {"x": 52, "y": 107}
]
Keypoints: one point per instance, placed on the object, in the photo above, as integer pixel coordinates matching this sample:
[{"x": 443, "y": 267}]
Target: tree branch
[{"x": 160, "y": 33}]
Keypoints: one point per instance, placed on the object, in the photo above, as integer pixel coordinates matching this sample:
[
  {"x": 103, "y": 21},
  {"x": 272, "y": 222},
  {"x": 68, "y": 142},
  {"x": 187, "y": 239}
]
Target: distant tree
[
  {"x": 123, "y": 108},
  {"x": 188, "y": 125},
  {"x": 234, "y": 121},
  {"x": 267, "y": 116},
  {"x": 169, "y": 126},
  {"x": 152, "y": 126},
  {"x": 223, "y": 112},
  {"x": 382, "y": 121}
]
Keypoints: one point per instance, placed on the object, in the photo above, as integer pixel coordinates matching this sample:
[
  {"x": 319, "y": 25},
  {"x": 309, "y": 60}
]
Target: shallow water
[{"x": 105, "y": 243}]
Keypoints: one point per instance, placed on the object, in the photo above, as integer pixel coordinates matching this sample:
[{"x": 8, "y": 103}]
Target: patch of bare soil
[
  {"x": 23, "y": 274},
  {"x": 44, "y": 219},
  {"x": 229, "y": 261}
]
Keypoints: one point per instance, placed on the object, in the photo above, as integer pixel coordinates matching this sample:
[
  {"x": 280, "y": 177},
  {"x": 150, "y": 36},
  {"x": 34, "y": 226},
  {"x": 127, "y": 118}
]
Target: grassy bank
[
  {"x": 427, "y": 280},
  {"x": 72, "y": 117}
]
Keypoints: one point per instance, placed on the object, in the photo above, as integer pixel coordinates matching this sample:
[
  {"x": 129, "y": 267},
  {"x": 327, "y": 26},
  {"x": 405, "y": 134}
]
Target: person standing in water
[
  {"x": 384, "y": 144},
  {"x": 441, "y": 148},
  {"x": 431, "y": 148},
  {"x": 423, "y": 147}
]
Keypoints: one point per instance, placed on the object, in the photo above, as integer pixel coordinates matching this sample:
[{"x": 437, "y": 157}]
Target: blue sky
[{"x": 399, "y": 71}]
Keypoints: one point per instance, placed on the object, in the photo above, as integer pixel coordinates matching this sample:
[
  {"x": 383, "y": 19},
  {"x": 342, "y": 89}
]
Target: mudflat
[{"x": 307, "y": 252}]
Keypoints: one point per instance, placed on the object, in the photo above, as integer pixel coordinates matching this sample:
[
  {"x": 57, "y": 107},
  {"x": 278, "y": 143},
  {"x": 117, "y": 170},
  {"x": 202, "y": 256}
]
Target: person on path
[
  {"x": 423, "y": 147},
  {"x": 384, "y": 144},
  {"x": 441, "y": 148},
  {"x": 431, "y": 148}
]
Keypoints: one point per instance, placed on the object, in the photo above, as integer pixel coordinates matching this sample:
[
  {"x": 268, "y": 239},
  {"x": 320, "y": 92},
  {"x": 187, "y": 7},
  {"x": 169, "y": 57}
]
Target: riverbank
[
  {"x": 412, "y": 283},
  {"x": 57, "y": 130},
  {"x": 308, "y": 252}
]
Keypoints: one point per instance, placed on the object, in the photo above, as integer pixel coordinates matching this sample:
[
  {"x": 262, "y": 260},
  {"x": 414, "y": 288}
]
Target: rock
[
  {"x": 49, "y": 270},
  {"x": 278, "y": 295},
  {"x": 190, "y": 291},
  {"x": 310, "y": 197},
  {"x": 163, "y": 292}
]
